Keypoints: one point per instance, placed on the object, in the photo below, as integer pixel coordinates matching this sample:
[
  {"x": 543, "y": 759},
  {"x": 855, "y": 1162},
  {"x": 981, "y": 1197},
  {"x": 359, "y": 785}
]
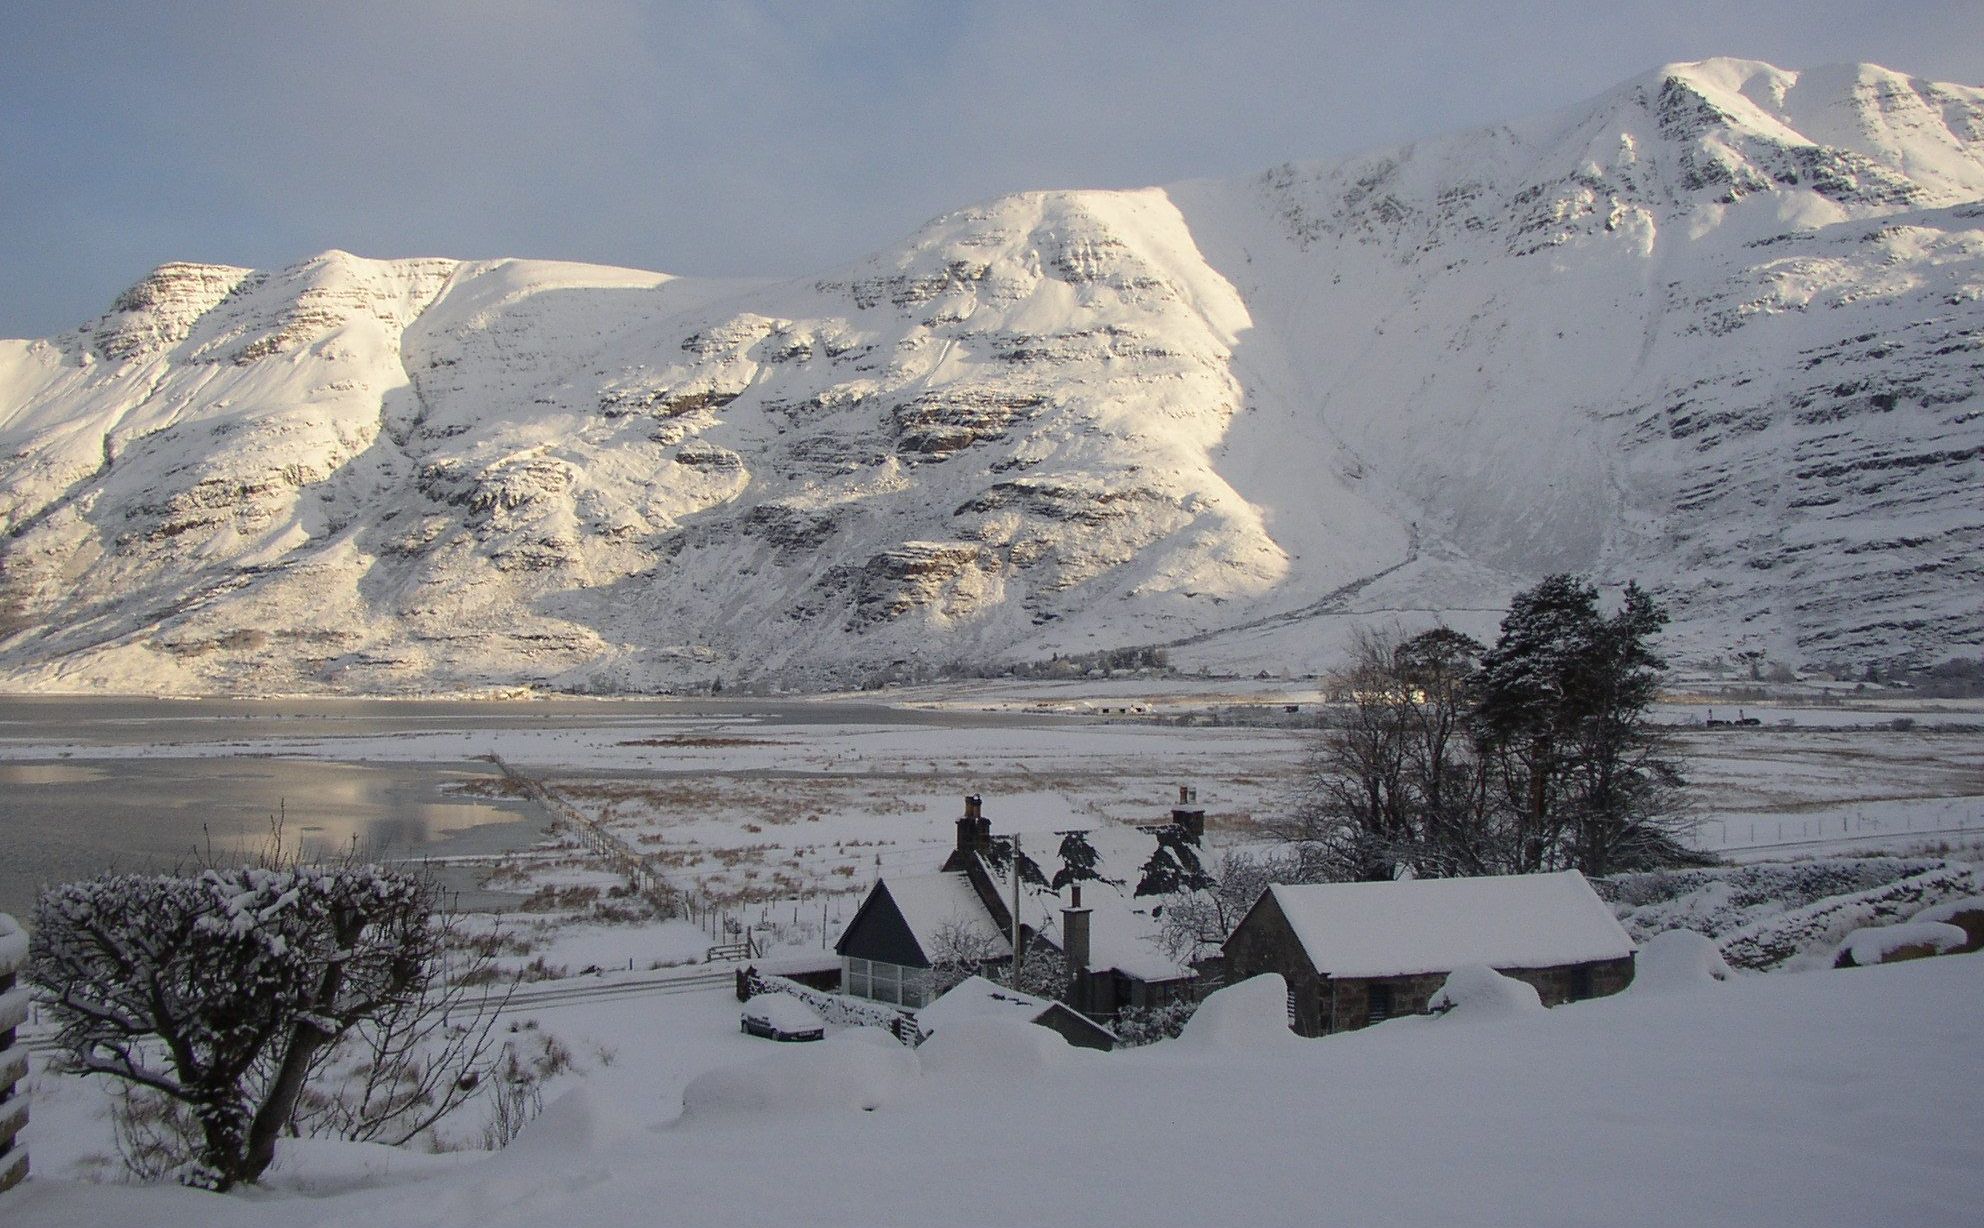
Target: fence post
[{"x": 13, "y": 1055}]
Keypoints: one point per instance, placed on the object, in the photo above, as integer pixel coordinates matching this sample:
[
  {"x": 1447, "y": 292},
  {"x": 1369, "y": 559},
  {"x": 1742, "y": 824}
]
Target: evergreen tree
[
  {"x": 1535, "y": 754},
  {"x": 1173, "y": 865},
  {"x": 1561, "y": 715},
  {"x": 1079, "y": 862}
]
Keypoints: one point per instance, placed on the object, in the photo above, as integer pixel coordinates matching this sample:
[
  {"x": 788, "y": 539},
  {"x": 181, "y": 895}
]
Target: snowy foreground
[{"x": 1835, "y": 1097}]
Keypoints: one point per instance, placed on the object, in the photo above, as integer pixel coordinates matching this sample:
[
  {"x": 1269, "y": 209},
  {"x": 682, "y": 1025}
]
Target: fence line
[{"x": 641, "y": 872}]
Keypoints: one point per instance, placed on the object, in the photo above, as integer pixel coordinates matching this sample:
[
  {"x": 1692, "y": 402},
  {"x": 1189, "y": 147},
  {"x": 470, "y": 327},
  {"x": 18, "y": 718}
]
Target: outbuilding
[{"x": 1354, "y": 954}]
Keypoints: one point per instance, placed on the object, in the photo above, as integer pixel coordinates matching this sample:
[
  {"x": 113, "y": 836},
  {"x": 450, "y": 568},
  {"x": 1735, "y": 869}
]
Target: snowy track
[{"x": 703, "y": 978}]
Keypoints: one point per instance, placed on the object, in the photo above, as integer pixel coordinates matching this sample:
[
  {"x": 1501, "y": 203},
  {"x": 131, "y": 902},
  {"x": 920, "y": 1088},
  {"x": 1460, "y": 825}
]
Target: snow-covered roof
[
  {"x": 1123, "y": 932},
  {"x": 977, "y": 998},
  {"x": 932, "y": 903},
  {"x": 1439, "y": 924}
]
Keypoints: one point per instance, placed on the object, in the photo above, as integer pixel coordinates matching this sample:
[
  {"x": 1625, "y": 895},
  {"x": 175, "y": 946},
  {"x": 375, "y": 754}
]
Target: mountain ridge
[{"x": 1665, "y": 335}]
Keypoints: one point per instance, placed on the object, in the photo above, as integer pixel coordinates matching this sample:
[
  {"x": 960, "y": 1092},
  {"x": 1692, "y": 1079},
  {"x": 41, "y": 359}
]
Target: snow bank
[
  {"x": 992, "y": 1048},
  {"x": 1678, "y": 959},
  {"x": 574, "y": 1124},
  {"x": 13, "y": 945},
  {"x": 1476, "y": 991},
  {"x": 842, "y": 1072},
  {"x": 1879, "y": 944},
  {"x": 321, "y": 1166},
  {"x": 1250, "y": 1015},
  {"x": 13, "y": 1008}
]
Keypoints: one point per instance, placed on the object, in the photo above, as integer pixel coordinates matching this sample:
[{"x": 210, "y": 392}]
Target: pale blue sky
[{"x": 757, "y": 138}]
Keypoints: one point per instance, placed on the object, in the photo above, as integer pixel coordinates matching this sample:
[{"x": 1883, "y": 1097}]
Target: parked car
[{"x": 782, "y": 1017}]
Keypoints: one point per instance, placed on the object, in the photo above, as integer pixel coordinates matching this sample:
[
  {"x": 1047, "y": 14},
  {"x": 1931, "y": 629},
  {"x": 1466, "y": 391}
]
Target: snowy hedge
[
  {"x": 1766, "y": 916},
  {"x": 1816, "y": 928}
]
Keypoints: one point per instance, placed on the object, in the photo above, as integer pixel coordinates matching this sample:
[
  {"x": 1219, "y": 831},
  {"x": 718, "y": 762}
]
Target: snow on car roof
[
  {"x": 1438, "y": 924},
  {"x": 783, "y": 1011}
]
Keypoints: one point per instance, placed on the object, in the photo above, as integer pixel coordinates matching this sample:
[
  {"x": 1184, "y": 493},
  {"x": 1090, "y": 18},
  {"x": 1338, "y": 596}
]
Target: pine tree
[{"x": 1561, "y": 714}]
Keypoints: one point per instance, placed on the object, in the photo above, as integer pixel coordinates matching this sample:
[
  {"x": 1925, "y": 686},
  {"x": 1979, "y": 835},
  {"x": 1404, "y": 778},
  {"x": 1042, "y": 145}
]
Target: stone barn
[{"x": 1358, "y": 953}]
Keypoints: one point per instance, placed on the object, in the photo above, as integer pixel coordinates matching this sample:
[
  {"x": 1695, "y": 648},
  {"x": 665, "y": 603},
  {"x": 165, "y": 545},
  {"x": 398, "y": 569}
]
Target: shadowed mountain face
[{"x": 1720, "y": 330}]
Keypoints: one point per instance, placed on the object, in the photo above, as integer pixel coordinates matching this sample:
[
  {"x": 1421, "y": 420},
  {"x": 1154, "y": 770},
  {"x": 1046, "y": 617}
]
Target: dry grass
[{"x": 705, "y": 742}]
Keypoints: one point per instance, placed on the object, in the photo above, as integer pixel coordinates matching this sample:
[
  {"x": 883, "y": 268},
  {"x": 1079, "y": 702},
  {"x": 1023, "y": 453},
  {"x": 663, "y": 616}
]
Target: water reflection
[{"x": 69, "y": 820}]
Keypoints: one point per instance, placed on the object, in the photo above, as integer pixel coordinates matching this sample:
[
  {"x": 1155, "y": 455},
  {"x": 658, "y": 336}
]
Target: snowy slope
[
  {"x": 1842, "y": 1098},
  {"x": 1718, "y": 330}
]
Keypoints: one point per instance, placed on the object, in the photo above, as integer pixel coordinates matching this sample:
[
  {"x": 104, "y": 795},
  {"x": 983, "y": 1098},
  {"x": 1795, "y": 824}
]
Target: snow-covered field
[
  {"x": 1821, "y": 1097},
  {"x": 1846, "y": 1097},
  {"x": 770, "y": 801}
]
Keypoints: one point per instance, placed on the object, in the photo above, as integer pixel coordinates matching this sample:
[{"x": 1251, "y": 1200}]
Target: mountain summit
[{"x": 1719, "y": 330}]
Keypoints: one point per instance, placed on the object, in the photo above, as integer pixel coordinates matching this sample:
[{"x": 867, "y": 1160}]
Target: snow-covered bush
[
  {"x": 1677, "y": 959},
  {"x": 225, "y": 989},
  {"x": 1144, "y": 1025},
  {"x": 1887, "y": 944},
  {"x": 1476, "y": 991}
]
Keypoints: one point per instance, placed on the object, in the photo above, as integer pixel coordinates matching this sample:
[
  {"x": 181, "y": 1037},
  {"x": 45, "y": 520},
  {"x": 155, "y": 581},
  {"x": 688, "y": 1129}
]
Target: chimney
[
  {"x": 974, "y": 830},
  {"x": 1188, "y": 815},
  {"x": 1074, "y": 933}
]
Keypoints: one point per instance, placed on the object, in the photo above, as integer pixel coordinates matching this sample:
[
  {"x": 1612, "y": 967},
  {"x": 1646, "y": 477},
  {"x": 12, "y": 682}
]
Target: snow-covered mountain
[{"x": 1719, "y": 330}]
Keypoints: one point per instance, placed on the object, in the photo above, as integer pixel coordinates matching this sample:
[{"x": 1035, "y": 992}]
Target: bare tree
[
  {"x": 963, "y": 949},
  {"x": 397, "y": 1074},
  {"x": 1195, "y": 924},
  {"x": 1396, "y": 785}
]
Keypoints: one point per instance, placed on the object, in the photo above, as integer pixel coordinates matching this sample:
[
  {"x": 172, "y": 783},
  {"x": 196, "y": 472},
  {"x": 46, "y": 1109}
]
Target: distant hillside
[{"x": 1720, "y": 330}]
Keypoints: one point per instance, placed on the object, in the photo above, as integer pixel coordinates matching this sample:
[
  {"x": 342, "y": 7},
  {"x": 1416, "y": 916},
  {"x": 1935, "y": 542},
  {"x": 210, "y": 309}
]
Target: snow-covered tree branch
[{"x": 224, "y": 990}]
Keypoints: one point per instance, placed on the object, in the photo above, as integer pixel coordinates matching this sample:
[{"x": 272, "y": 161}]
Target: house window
[
  {"x": 1379, "y": 1000},
  {"x": 881, "y": 982}
]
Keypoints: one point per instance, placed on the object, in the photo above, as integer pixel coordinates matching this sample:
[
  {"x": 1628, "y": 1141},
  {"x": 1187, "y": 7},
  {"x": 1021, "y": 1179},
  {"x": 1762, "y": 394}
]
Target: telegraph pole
[{"x": 1016, "y": 910}]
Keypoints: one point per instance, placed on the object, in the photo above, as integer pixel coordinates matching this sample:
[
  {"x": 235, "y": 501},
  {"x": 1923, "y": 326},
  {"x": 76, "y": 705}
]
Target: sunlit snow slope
[{"x": 1719, "y": 330}]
